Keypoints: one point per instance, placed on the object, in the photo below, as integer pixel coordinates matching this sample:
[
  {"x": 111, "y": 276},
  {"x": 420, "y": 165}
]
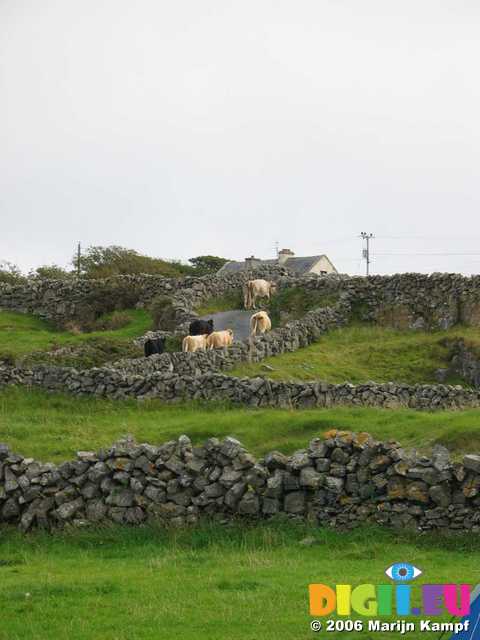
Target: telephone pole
[
  {"x": 79, "y": 257},
  {"x": 366, "y": 251}
]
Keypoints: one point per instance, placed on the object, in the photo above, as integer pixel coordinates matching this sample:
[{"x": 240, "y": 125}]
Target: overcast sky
[{"x": 190, "y": 127}]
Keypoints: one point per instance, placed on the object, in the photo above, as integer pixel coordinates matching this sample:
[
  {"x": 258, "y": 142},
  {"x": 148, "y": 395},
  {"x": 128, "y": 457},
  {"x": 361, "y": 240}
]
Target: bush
[
  {"x": 112, "y": 321},
  {"x": 10, "y": 273},
  {"x": 163, "y": 314},
  {"x": 103, "y": 262},
  {"x": 204, "y": 265},
  {"x": 106, "y": 298},
  {"x": 51, "y": 272}
]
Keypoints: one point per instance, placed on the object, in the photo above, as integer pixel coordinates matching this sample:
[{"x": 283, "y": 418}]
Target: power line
[{"x": 378, "y": 255}]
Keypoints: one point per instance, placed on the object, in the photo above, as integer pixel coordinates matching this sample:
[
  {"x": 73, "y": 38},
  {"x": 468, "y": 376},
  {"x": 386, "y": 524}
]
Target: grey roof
[
  {"x": 233, "y": 267},
  {"x": 297, "y": 265},
  {"x": 301, "y": 265}
]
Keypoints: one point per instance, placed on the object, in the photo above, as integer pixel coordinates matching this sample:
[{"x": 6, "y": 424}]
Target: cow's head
[
  {"x": 210, "y": 324},
  {"x": 273, "y": 287}
]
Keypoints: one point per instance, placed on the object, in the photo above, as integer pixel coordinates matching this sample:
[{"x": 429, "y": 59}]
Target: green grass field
[
  {"x": 26, "y": 340},
  {"x": 54, "y": 427},
  {"x": 212, "y": 582},
  {"x": 235, "y": 582},
  {"x": 361, "y": 353},
  {"x": 21, "y": 334}
]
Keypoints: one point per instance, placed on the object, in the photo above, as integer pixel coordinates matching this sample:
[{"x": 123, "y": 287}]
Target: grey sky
[{"x": 191, "y": 127}]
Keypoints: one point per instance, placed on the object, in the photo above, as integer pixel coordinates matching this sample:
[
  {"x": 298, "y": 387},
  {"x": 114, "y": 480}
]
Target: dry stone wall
[
  {"x": 342, "y": 479},
  {"x": 69, "y": 300},
  {"x": 255, "y": 392},
  {"x": 466, "y": 363},
  {"x": 412, "y": 300}
]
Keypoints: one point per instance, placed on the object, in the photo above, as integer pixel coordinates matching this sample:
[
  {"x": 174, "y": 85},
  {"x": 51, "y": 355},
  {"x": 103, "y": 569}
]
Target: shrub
[
  {"x": 112, "y": 321},
  {"x": 106, "y": 298},
  {"x": 10, "y": 273},
  {"x": 204, "y": 265},
  {"x": 51, "y": 272},
  {"x": 103, "y": 262}
]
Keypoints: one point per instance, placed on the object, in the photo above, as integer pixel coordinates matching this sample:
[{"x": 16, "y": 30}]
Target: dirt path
[{"x": 238, "y": 320}]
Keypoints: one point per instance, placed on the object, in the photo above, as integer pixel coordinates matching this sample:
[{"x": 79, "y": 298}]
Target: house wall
[{"x": 323, "y": 264}]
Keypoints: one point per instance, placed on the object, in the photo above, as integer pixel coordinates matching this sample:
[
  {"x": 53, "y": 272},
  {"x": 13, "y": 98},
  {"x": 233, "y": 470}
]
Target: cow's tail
[
  {"x": 249, "y": 295},
  {"x": 246, "y": 296},
  {"x": 253, "y": 326},
  {"x": 185, "y": 344}
]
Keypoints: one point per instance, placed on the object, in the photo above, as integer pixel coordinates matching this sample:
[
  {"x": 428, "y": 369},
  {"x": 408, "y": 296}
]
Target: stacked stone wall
[{"x": 342, "y": 479}]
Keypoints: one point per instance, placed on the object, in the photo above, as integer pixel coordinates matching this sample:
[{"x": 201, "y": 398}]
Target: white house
[{"x": 320, "y": 265}]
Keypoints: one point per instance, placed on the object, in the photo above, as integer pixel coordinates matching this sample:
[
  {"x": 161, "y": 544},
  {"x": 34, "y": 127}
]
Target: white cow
[
  {"x": 219, "y": 339},
  {"x": 257, "y": 289},
  {"x": 194, "y": 343},
  {"x": 260, "y": 323}
]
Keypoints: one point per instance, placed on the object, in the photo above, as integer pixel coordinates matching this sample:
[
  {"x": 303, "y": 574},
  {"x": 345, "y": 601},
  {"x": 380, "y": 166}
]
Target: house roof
[{"x": 296, "y": 264}]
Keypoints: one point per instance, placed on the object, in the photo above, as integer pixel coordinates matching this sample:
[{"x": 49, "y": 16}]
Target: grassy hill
[
  {"x": 22, "y": 335},
  {"x": 361, "y": 353}
]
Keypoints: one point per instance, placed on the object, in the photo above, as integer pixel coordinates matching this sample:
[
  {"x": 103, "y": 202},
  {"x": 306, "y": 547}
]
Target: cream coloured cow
[
  {"x": 194, "y": 343},
  {"x": 219, "y": 339},
  {"x": 260, "y": 323},
  {"x": 257, "y": 289}
]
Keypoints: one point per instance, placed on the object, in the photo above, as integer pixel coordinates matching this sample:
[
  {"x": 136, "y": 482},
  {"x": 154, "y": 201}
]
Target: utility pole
[
  {"x": 366, "y": 251},
  {"x": 79, "y": 258},
  {"x": 277, "y": 248}
]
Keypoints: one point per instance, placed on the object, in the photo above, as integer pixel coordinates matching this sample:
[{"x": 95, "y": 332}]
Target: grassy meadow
[
  {"x": 216, "y": 581},
  {"x": 21, "y": 334},
  {"x": 360, "y": 353},
  {"x": 53, "y": 427},
  {"x": 231, "y": 582}
]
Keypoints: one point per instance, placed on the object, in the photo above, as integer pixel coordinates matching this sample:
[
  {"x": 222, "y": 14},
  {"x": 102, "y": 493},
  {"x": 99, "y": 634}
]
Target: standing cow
[
  {"x": 219, "y": 339},
  {"x": 201, "y": 327},
  {"x": 194, "y": 343},
  {"x": 257, "y": 289},
  {"x": 153, "y": 346},
  {"x": 260, "y": 323}
]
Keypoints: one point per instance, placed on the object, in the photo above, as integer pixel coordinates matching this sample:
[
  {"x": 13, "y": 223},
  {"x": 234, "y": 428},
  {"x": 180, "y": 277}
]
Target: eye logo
[{"x": 402, "y": 572}]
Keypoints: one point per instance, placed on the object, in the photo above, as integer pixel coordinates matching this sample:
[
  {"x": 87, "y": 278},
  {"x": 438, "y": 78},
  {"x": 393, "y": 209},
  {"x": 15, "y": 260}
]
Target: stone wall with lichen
[{"x": 339, "y": 479}]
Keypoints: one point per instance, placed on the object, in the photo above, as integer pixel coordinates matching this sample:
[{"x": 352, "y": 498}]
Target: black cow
[
  {"x": 201, "y": 327},
  {"x": 154, "y": 345}
]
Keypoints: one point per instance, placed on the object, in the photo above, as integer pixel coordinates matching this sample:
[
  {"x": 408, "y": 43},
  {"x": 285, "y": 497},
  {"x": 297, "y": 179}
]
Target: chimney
[
  {"x": 252, "y": 262},
  {"x": 284, "y": 254}
]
